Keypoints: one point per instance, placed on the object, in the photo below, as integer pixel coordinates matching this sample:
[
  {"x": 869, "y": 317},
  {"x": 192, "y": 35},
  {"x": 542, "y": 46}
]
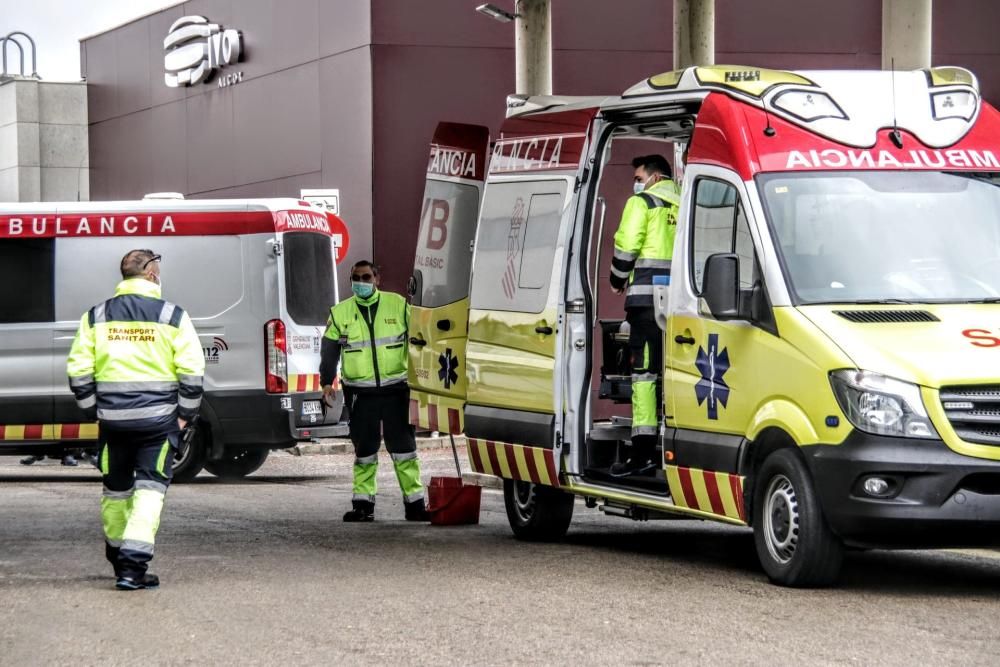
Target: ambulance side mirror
[{"x": 721, "y": 286}]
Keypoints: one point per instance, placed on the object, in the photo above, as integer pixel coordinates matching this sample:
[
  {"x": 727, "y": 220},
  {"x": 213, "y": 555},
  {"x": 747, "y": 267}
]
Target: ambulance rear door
[
  {"x": 306, "y": 292},
  {"x": 439, "y": 287},
  {"x": 525, "y": 325}
]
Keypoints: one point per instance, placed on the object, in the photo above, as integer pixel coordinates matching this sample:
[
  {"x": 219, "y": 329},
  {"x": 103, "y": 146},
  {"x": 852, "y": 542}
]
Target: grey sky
[{"x": 57, "y": 25}]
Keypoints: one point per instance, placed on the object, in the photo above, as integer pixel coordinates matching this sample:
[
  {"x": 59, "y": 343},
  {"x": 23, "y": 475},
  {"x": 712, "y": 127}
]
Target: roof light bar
[
  {"x": 807, "y": 105},
  {"x": 954, "y": 104}
]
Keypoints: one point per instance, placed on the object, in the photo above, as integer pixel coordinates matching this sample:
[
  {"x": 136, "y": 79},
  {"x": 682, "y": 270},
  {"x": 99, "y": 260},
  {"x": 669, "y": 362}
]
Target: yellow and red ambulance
[{"x": 831, "y": 327}]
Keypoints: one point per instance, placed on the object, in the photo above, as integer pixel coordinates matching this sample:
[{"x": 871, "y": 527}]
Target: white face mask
[{"x": 638, "y": 188}]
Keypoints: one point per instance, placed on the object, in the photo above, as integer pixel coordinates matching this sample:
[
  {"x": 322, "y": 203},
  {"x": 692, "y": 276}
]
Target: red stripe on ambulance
[
  {"x": 711, "y": 485},
  {"x": 687, "y": 487}
]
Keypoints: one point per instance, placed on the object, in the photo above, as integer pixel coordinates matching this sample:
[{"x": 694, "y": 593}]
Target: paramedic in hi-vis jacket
[
  {"x": 368, "y": 334},
  {"x": 644, "y": 245},
  {"x": 136, "y": 366}
]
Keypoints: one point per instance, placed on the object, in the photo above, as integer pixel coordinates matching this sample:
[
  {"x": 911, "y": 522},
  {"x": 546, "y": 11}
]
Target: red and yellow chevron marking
[
  {"x": 9, "y": 432},
  {"x": 436, "y": 416},
  {"x": 528, "y": 464},
  {"x": 307, "y": 382},
  {"x": 717, "y": 493}
]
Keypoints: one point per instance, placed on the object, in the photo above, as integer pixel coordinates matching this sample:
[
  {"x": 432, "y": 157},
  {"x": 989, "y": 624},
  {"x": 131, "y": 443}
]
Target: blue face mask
[{"x": 362, "y": 290}]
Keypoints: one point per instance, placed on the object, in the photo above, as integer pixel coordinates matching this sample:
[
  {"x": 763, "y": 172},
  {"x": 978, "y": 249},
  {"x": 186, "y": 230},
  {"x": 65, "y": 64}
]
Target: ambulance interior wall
[{"x": 301, "y": 117}]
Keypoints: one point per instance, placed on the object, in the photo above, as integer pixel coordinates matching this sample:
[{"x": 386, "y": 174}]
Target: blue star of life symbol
[
  {"x": 449, "y": 368},
  {"x": 711, "y": 387}
]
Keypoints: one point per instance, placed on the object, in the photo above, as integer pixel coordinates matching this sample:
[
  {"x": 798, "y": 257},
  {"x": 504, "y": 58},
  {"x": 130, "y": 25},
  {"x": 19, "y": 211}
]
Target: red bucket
[{"x": 452, "y": 503}]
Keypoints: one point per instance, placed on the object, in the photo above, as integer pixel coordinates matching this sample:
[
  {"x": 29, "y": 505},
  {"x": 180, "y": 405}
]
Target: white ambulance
[
  {"x": 831, "y": 328},
  {"x": 256, "y": 276}
]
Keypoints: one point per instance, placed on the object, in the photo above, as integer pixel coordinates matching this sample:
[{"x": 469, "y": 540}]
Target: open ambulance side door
[
  {"x": 439, "y": 287},
  {"x": 519, "y": 327}
]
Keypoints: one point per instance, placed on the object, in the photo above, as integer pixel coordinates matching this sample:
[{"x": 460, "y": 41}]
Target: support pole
[
  {"x": 533, "y": 47},
  {"x": 906, "y": 34},
  {"x": 694, "y": 33}
]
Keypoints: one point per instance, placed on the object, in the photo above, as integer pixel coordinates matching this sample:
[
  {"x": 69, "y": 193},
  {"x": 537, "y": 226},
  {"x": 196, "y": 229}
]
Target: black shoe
[
  {"x": 68, "y": 460},
  {"x": 133, "y": 584},
  {"x": 416, "y": 511},
  {"x": 631, "y": 466},
  {"x": 362, "y": 511},
  {"x": 28, "y": 460},
  {"x": 359, "y": 516}
]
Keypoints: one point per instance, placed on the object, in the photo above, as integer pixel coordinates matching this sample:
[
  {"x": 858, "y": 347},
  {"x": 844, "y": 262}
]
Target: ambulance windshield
[{"x": 866, "y": 236}]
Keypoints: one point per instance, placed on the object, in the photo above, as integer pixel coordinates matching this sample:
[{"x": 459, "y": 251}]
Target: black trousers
[
  {"x": 377, "y": 414},
  {"x": 645, "y": 343},
  {"x": 137, "y": 469}
]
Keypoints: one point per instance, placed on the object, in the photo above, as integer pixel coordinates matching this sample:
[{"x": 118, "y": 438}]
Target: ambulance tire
[
  {"x": 537, "y": 513},
  {"x": 237, "y": 463},
  {"x": 794, "y": 543},
  {"x": 189, "y": 461}
]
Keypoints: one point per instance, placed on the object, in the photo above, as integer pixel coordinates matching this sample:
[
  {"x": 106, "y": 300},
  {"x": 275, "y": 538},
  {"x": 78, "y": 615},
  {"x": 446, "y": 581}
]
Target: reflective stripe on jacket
[
  {"x": 136, "y": 362},
  {"x": 363, "y": 326},
  {"x": 644, "y": 242}
]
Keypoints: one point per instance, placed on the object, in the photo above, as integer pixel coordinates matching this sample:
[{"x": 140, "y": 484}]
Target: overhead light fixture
[{"x": 496, "y": 13}]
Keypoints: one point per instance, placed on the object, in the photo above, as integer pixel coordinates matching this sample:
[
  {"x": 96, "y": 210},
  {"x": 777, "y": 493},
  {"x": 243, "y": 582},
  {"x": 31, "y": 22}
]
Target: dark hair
[
  {"x": 363, "y": 263},
  {"x": 134, "y": 262},
  {"x": 653, "y": 164}
]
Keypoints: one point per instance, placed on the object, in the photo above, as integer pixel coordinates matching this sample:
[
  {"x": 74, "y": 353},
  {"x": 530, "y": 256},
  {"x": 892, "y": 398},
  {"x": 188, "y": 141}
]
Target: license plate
[{"x": 311, "y": 408}]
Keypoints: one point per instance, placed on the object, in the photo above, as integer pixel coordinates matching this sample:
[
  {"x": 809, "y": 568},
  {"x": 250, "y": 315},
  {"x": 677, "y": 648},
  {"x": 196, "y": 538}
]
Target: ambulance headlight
[
  {"x": 882, "y": 405},
  {"x": 807, "y": 105}
]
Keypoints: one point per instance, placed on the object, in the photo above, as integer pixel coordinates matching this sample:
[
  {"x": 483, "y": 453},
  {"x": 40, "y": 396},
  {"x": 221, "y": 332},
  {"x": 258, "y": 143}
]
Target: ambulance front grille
[
  {"x": 974, "y": 412},
  {"x": 891, "y": 316}
]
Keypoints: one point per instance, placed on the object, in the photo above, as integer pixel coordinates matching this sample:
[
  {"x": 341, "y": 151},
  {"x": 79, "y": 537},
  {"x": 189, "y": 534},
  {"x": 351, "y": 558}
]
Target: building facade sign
[{"x": 194, "y": 49}]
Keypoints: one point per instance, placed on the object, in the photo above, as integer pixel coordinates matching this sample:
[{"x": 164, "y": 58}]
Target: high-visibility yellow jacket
[
  {"x": 369, "y": 335},
  {"x": 136, "y": 362},
  {"x": 644, "y": 242}
]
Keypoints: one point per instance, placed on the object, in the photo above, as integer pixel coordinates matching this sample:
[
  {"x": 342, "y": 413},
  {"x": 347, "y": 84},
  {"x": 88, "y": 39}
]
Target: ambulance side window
[
  {"x": 515, "y": 246},
  {"x": 447, "y": 228},
  {"x": 720, "y": 226},
  {"x": 27, "y": 274}
]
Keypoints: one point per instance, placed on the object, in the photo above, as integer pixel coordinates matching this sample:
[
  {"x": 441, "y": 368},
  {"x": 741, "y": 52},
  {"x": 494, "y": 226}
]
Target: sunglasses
[
  {"x": 362, "y": 277},
  {"x": 154, "y": 258}
]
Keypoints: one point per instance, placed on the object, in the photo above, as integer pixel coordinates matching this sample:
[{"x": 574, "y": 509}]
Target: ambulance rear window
[
  {"x": 26, "y": 272},
  {"x": 308, "y": 277}
]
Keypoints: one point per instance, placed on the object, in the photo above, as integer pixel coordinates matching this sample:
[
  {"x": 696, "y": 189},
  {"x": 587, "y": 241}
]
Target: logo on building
[{"x": 195, "y": 49}]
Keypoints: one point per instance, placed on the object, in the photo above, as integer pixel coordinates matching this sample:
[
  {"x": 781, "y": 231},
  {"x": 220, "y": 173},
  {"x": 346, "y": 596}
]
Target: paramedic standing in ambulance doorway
[
  {"x": 368, "y": 333},
  {"x": 644, "y": 245},
  {"x": 136, "y": 366}
]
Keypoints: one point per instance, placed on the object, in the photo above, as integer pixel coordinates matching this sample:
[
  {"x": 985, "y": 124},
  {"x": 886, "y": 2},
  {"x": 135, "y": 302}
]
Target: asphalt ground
[{"x": 263, "y": 572}]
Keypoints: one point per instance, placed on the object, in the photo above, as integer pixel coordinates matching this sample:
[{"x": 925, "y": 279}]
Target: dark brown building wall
[
  {"x": 301, "y": 117},
  {"x": 346, "y": 93}
]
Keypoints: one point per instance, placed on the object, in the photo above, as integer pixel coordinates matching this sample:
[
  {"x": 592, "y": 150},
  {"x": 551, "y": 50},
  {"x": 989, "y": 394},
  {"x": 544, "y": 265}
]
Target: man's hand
[
  {"x": 329, "y": 394},
  {"x": 618, "y": 290},
  {"x": 182, "y": 423}
]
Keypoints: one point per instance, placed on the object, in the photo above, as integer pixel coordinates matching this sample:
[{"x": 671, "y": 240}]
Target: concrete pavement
[{"x": 263, "y": 571}]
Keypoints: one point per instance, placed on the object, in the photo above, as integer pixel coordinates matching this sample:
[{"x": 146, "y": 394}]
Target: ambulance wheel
[
  {"x": 794, "y": 543},
  {"x": 237, "y": 463},
  {"x": 537, "y": 513},
  {"x": 190, "y": 459}
]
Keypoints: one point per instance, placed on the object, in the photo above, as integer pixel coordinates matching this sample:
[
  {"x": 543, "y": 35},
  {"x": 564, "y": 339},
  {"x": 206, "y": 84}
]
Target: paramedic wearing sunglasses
[
  {"x": 136, "y": 366},
  {"x": 368, "y": 334}
]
